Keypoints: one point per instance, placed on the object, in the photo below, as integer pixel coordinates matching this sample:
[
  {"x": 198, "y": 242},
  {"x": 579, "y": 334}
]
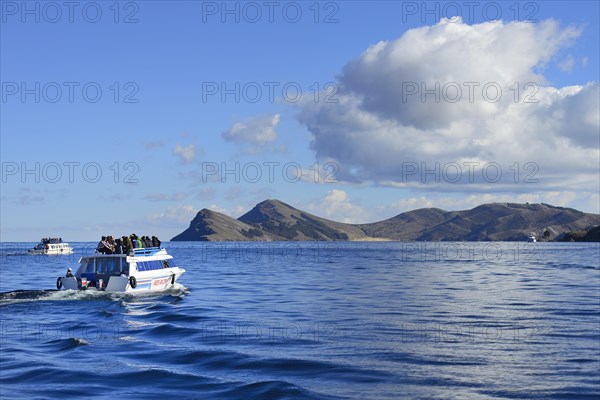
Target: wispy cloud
[
  {"x": 235, "y": 193},
  {"x": 116, "y": 197},
  {"x": 185, "y": 153},
  {"x": 166, "y": 196},
  {"x": 205, "y": 194},
  {"x": 154, "y": 144},
  {"x": 27, "y": 197},
  {"x": 567, "y": 64},
  {"x": 173, "y": 216}
]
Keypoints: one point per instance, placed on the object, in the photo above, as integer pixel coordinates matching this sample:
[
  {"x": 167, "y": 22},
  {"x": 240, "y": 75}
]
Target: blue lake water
[{"x": 312, "y": 321}]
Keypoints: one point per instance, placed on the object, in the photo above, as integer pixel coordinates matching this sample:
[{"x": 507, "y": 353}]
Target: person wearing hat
[{"x": 69, "y": 273}]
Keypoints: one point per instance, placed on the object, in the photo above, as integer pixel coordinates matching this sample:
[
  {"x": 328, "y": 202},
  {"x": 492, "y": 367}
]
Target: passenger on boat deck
[
  {"x": 137, "y": 244},
  {"x": 147, "y": 242},
  {"x": 101, "y": 243},
  {"x": 69, "y": 273},
  {"x": 112, "y": 243},
  {"x": 127, "y": 246},
  {"x": 105, "y": 247},
  {"x": 155, "y": 242},
  {"x": 118, "y": 246}
]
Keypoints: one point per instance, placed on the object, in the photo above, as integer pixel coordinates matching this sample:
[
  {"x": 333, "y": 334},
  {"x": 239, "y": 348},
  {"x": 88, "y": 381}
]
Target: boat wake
[
  {"x": 14, "y": 253},
  {"x": 23, "y": 296}
]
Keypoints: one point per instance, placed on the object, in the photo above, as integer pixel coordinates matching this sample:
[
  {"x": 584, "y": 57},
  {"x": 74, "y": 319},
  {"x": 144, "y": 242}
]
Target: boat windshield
[
  {"x": 88, "y": 265},
  {"x": 105, "y": 265},
  {"x": 109, "y": 266}
]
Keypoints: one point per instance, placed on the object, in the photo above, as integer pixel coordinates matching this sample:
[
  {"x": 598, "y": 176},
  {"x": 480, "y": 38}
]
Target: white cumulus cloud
[
  {"x": 336, "y": 205},
  {"x": 453, "y": 94},
  {"x": 254, "y": 130}
]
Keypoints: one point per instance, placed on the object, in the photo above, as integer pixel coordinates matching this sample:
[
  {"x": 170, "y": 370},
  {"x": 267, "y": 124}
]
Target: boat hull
[
  {"x": 123, "y": 284},
  {"x": 56, "y": 252}
]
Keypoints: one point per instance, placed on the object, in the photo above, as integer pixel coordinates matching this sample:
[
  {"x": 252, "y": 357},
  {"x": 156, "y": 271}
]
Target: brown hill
[
  {"x": 211, "y": 226},
  {"x": 284, "y": 222},
  {"x": 274, "y": 220},
  {"x": 409, "y": 225},
  {"x": 510, "y": 222}
]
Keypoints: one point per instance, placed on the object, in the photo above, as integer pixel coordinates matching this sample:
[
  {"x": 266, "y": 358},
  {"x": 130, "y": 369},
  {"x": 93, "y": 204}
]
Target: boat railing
[{"x": 145, "y": 251}]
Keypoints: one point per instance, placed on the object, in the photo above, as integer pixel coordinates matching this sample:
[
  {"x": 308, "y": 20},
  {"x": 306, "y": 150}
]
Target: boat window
[
  {"x": 112, "y": 266},
  {"x": 90, "y": 266},
  {"x": 149, "y": 265},
  {"x": 101, "y": 266},
  {"x": 83, "y": 265},
  {"x": 125, "y": 267},
  {"x": 141, "y": 266},
  {"x": 170, "y": 263}
]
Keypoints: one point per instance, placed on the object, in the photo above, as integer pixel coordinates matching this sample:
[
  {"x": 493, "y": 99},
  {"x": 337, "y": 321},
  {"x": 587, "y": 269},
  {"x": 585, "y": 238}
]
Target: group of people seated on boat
[
  {"x": 125, "y": 244},
  {"x": 52, "y": 240}
]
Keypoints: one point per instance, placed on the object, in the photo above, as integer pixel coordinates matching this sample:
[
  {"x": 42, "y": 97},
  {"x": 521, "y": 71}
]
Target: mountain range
[{"x": 274, "y": 220}]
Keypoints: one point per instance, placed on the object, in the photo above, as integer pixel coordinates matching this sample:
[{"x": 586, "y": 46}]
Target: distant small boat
[
  {"x": 531, "y": 238},
  {"x": 51, "y": 246}
]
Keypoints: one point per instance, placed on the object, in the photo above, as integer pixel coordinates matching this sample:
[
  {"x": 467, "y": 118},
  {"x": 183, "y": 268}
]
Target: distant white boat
[
  {"x": 531, "y": 238},
  {"x": 51, "y": 246},
  {"x": 142, "y": 270}
]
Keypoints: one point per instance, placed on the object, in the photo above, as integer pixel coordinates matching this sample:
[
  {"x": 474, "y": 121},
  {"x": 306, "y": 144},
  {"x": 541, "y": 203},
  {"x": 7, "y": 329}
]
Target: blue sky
[{"x": 126, "y": 119}]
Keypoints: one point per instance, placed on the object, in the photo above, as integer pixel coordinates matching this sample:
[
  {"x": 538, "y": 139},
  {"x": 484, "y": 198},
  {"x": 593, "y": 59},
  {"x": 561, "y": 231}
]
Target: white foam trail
[{"x": 82, "y": 295}]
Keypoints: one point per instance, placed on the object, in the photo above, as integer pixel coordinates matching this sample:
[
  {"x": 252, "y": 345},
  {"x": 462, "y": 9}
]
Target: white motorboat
[
  {"x": 142, "y": 270},
  {"x": 532, "y": 238},
  {"x": 51, "y": 246}
]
